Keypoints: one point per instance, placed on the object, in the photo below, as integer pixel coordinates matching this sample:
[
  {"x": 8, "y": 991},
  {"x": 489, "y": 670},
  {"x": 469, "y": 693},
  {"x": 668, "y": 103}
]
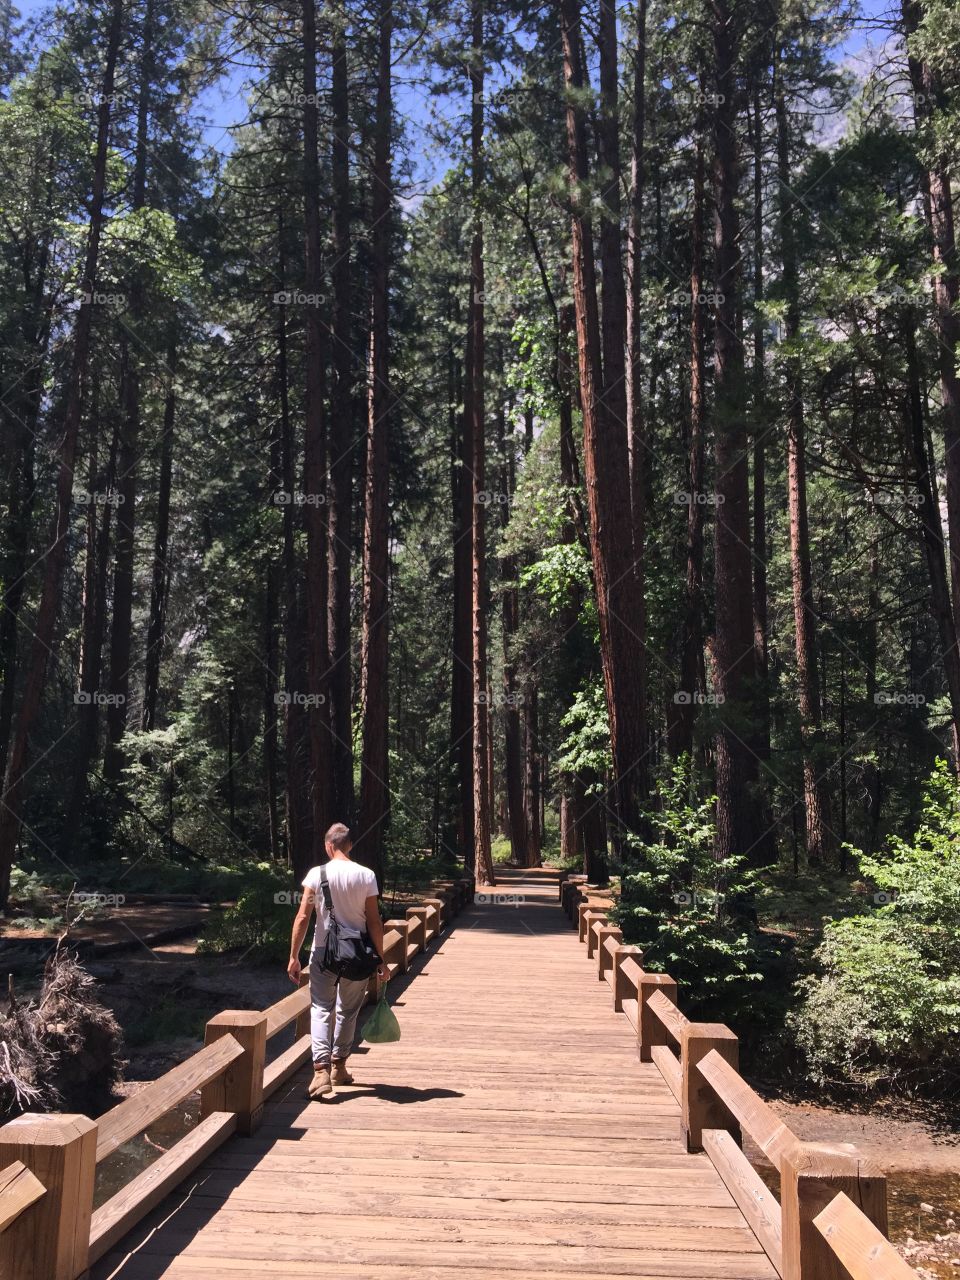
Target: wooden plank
[
  {"x": 241, "y": 1268},
  {"x": 125, "y": 1209},
  {"x": 756, "y": 1117},
  {"x": 285, "y": 1065},
  {"x": 631, "y": 1010},
  {"x": 753, "y": 1197},
  {"x": 19, "y": 1189},
  {"x": 499, "y": 1259},
  {"x": 669, "y": 1015},
  {"x": 287, "y": 1010},
  {"x": 669, "y": 1067},
  {"x": 136, "y": 1113},
  {"x": 865, "y": 1252}
]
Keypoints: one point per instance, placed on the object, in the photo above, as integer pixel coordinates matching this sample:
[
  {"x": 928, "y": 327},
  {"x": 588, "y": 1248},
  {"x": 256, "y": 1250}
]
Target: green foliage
[
  {"x": 260, "y": 920},
  {"x": 586, "y": 747},
  {"x": 885, "y": 1007},
  {"x": 676, "y": 901}
]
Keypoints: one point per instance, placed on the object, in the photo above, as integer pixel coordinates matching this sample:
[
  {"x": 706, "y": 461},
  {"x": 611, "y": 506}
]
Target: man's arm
[
  {"x": 300, "y": 925},
  {"x": 375, "y": 930}
]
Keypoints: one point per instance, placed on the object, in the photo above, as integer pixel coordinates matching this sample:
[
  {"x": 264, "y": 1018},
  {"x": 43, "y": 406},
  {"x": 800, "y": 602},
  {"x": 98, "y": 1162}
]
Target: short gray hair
[{"x": 339, "y": 836}]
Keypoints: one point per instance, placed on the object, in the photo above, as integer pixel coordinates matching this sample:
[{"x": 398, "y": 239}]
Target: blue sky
[{"x": 223, "y": 105}]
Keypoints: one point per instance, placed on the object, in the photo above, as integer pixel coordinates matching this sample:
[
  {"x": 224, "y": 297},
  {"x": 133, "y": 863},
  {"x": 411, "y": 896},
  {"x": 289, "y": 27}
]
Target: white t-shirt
[{"x": 350, "y": 887}]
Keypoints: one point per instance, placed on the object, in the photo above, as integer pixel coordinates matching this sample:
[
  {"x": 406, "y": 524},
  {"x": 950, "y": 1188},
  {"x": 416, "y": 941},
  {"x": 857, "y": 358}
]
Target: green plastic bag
[{"x": 382, "y": 1026}]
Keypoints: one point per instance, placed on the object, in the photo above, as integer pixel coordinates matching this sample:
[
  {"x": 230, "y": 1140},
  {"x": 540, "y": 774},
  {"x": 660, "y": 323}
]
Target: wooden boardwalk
[{"x": 511, "y": 1132}]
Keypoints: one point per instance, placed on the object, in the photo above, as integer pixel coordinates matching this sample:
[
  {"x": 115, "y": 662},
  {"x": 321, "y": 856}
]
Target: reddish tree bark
[
  {"x": 637, "y": 440},
  {"x": 341, "y": 442},
  {"x": 474, "y": 431},
  {"x": 318, "y": 657},
  {"x": 816, "y": 792},
  {"x": 740, "y": 824},
  {"x": 618, "y": 579},
  {"x": 928, "y": 96},
  {"x": 375, "y": 699},
  {"x": 682, "y": 713},
  {"x": 160, "y": 576},
  {"x": 510, "y": 620},
  {"x": 128, "y": 461}
]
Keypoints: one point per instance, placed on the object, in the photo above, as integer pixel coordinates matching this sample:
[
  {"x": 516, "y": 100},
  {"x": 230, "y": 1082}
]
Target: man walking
[{"x": 335, "y": 1002}]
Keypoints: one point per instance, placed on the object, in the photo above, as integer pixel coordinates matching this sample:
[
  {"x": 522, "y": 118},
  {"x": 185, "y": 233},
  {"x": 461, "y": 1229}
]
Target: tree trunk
[
  {"x": 299, "y": 819},
  {"x": 341, "y": 444},
  {"x": 93, "y": 619},
  {"x": 683, "y": 712},
  {"x": 816, "y": 792},
  {"x": 531, "y": 780},
  {"x": 375, "y": 697},
  {"x": 760, "y": 626},
  {"x": 474, "y": 430},
  {"x": 461, "y": 694},
  {"x": 740, "y": 829},
  {"x": 637, "y": 441},
  {"x": 928, "y": 96},
  {"x": 618, "y": 577},
  {"x": 160, "y": 578},
  {"x": 931, "y": 534},
  {"x": 11, "y": 812},
  {"x": 510, "y": 616},
  {"x": 121, "y": 631},
  {"x": 318, "y": 657}
]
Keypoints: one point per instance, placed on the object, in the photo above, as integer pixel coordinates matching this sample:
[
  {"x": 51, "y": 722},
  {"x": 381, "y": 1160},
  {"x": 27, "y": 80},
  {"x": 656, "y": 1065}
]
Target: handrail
[
  {"x": 233, "y": 1078},
  {"x": 758, "y": 1119},
  {"x": 136, "y": 1113},
  {"x": 19, "y": 1189},
  {"x": 716, "y": 1102},
  {"x": 865, "y": 1252},
  {"x": 669, "y": 1015}
]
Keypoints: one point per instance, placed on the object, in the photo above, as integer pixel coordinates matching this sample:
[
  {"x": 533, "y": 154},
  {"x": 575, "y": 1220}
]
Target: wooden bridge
[{"x": 549, "y": 1113}]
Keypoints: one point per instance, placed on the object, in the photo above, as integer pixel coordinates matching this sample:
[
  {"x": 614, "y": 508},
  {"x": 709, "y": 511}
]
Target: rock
[{"x": 926, "y": 1208}]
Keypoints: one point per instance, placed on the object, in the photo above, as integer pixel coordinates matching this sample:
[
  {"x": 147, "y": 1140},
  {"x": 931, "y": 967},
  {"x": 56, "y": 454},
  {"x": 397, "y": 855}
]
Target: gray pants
[{"x": 335, "y": 1005}]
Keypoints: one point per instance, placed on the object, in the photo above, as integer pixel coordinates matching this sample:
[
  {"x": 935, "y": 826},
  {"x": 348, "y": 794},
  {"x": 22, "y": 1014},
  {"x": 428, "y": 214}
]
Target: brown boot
[
  {"x": 320, "y": 1085},
  {"x": 340, "y": 1073}
]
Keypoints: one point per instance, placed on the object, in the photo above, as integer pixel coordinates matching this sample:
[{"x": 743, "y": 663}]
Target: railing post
[
  {"x": 604, "y": 959},
  {"x": 442, "y": 904},
  {"x": 622, "y": 989},
  {"x": 418, "y": 918},
  {"x": 595, "y": 917},
  {"x": 650, "y": 1030},
  {"x": 811, "y": 1174},
  {"x": 302, "y": 1024},
  {"x": 240, "y": 1088},
  {"x": 589, "y": 915},
  {"x": 51, "y": 1239},
  {"x": 702, "y": 1109},
  {"x": 403, "y": 928}
]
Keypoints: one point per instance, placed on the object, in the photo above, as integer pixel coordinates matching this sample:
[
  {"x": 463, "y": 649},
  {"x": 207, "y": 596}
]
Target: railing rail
[
  {"x": 831, "y": 1220},
  {"x": 49, "y": 1229},
  {"x": 19, "y": 1189}
]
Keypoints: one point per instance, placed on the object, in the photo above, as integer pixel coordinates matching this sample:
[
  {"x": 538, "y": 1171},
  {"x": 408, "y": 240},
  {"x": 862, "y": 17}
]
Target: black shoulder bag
[{"x": 352, "y": 958}]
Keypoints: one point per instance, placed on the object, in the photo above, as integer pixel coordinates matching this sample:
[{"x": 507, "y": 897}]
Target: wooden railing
[
  {"x": 49, "y": 1229},
  {"x": 831, "y": 1219}
]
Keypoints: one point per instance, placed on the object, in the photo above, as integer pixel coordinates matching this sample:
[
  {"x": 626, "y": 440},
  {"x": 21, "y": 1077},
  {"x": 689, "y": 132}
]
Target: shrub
[
  {"x": 261, "y": 919},
  {"x": 677, "y": 902},
  {"x": 884, "y": 1007}
]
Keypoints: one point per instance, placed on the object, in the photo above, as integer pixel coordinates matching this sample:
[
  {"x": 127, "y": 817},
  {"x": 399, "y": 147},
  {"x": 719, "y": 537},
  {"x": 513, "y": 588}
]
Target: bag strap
[{"x": 327, "y": 895}]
